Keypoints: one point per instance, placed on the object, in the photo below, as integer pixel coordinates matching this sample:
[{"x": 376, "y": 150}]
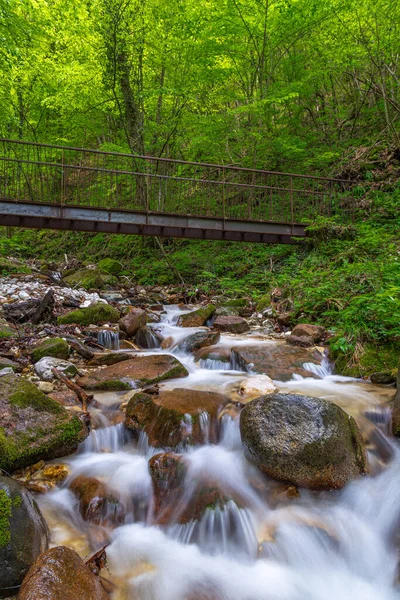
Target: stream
[{"x": 273, "y": 544}]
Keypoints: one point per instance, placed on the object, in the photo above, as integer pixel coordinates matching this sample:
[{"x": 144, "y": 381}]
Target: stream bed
[{"x": 266, "y": 541}]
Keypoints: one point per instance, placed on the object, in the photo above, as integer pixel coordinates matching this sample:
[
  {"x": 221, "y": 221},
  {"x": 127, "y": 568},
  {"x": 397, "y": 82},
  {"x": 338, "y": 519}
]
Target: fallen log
[
  {"x": 84, "y": 398},
  {"x": 79, "y": 347},
  {"x": 31, "y": 310}
]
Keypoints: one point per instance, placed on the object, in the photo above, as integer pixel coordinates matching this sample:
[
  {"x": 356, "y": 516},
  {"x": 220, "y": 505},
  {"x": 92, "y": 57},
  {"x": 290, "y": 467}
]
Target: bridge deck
[{"x": 58, "y": 187}]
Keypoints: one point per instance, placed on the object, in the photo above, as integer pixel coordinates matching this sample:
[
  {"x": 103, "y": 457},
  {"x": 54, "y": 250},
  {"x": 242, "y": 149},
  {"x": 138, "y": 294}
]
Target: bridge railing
[{"x": 42, "y": 173}]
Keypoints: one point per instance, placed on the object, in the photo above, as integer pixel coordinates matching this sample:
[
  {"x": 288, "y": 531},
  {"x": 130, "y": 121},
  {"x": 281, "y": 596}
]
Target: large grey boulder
[
  {"x": 23, "y": 532},
  {"x": 307, "y": 441},
  {"x": 44, "y": 367}
]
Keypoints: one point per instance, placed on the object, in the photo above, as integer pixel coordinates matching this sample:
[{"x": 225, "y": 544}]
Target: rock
[
  {"x": 276, "y": 359},
  {"x": 56, "y": 347},
  {"x": 133, "y": 321},
  {"x": 109, "y": 358},
  {"x": 176, "y": 417},
  {"x": 226, "y": 311},
  {"x": 231, "y": 324},
  {"x": 11, "y": 364},
  {"x": 6, "y": 371},
  {"x": 303, "y": 341},
  {"x": 90, "y": 279},
  {"x": 174, "y": 501},
  {"x": 64, "y": 397},
  {"x": 196, "y": 318},
  {"x": 284, "y": 319},
  {"x": 200, "y": 339},
  {"x": 111, "y": 266},
  {"x": 258, "y": 385},
  {"x": 6, "y": 331},
  {"x": 236, "y": 303},
  {"x": 97, "y": 314},
  {"x": 41, "y": 478},
  {"x": 60, "y": 574},
  {"x": 396, "y": 408},
  {"x": 46, "y": 387},
  {"x": 380, "y": 378},
  {"x": 44, "y": 367},
  {"x": 213, "y": 355},
  {"x": 137, "y": 371},
  {"x": 263, "y": 303},
  {"x": 309, "y": 442},
  {"x": 316, "y": 332},
  {"x": 23, "y": 532},
  {"x": 147, "y": 338},
  {"x": 96, "y": 503},
  {"x": 33, "y": 426}
]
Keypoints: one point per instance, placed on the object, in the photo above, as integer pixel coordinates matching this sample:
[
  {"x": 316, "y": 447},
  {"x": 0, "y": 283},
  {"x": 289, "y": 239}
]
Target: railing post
[
  {"x": 223, "y": 197},
  {"x": 62, "y": 179}
]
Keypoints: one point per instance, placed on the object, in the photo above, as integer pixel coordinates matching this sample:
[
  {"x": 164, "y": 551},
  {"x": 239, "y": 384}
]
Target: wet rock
[
  {"x": 90, "y": 279},
  {"x": 383, "y": 378},
  {"x": 196, "y": 318},
  {"x": 256, "y": 386},
  {"x": 213, "y": 355},
  {"x": 176, "y": 417},
  {"x": 133, "y": 321},
  {"x": 64, "y": 397},
  {"x": 309, "y": 442},
  {"x": 55, "y": 347},
  {"x": 137, "y": 371},
  {"x": 200, "y": 339},
  {"x": 41, "y": 478},
  {"x": 148, "y": 338},
  {"x": 277, "y": 360},
  {"x": 109, "y": 358},
  {"x": 60, "y": 574},
  {"x": 44, "y": 367},
  {"x": 96, "y": 503},
  {"x": 111, "y": 266},
  {"x": 303, "y": 341},
  {"x": 97, "y": 314},
  {"x": 316, "y": 332},
  {"x": 174, "y": 500},
  {"x": 231, "y": 324},
  {"x": 33, "y": 426},
  {"x": 23, "y": 532},
  {"x": 396, "y": 408}
]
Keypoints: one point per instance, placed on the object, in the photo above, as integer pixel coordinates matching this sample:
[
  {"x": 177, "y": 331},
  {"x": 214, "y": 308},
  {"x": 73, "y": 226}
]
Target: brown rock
[
  {"x": 284, "y": 319},
  {"x": 65, "y": 397},
  {"x": 96, "y": 503},
  {"x": 231, "y": 324},
  {"x": 133, "y": 321},
  {"x": 130, "y": 373},
  {"x": 276, "y": 359},
  {"x": 60, "y": 574},
  {"x": 316, "y": 332},
  {"x": 303, "y": 341},
  {"x": 109, "y": 358},
  {"x": 174, "y": 417},
  {"x": 172, "y": 501}
]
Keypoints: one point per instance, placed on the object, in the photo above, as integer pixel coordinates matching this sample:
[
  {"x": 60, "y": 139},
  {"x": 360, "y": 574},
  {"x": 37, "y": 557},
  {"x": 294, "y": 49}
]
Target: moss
[
  {"x": 111, "y": 385},
  {"x": 28, "y": 395},
  {"x": 367, "y": 359},
  {"x": 5, "y": 513},
  {"x": 92, "y": 315},
  {"x": 198, "y": 317},
  {"x": 263, "y": 303},
  {"x": 111, "y": 266},
  {"x": 236, "y": 303},
  {"x": 55, "y": 347},
  {"x": 90, "y": 279},
  {"x": 6, "y": 332},
  {"x": 8, "y": 266}
]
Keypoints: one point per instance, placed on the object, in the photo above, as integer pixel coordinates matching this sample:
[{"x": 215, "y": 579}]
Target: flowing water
[{"x": 261, "y": 543}]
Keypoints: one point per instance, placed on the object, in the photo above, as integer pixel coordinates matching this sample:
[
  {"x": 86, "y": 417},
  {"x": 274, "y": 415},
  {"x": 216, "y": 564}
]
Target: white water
[{"x": 321, "y": 546}]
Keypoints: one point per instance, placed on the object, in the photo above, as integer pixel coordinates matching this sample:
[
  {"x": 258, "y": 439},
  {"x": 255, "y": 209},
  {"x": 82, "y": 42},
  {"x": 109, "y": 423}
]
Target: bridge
[{"x": 59, "y": 187}]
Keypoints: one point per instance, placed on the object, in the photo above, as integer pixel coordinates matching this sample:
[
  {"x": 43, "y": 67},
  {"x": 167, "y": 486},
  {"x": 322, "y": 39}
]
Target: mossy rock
[
  {"x": 307, "y": 441},
  {"x": 34, "y": 427},
  {"x": 6, "y": 331},
  {"x": 236, "y": 303},
  {"x": 197, "y": 318},
  {"x": 12, "y": 266},
  {"x": 263, "y": 303},
  {"x": 369, "y": 359},
  {"x": 110, "y": 266},
  {"x": 90, "y": 279},
  {"x": 55, "y": 347},
  {"x": 23, "y": 532},
  {"x": 92, "y": 315}
]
